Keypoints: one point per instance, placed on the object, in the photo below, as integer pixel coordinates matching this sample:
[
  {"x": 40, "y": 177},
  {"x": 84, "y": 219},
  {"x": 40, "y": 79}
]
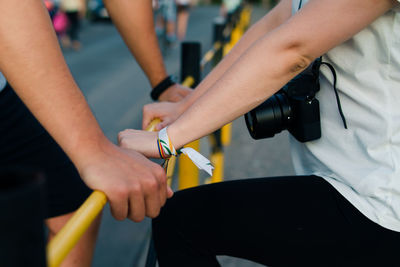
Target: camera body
[{"x": 294, "y": 107}]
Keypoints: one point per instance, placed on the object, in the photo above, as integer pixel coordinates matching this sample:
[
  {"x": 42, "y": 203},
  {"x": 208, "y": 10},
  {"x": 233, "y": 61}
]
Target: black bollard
[
  {"x": 219, "y": 26},
  {"x": 190, "y": 61},
  {"x": 218, "y": 36},
  {"x": 22, "y": 238}
]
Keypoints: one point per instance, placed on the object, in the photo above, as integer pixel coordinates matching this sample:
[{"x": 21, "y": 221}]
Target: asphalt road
[{"x": 116, "y": 90}]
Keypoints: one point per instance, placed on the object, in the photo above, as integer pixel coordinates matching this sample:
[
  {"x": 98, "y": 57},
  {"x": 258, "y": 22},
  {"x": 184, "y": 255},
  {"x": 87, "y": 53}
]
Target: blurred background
[{"x": 116, "y": 89}]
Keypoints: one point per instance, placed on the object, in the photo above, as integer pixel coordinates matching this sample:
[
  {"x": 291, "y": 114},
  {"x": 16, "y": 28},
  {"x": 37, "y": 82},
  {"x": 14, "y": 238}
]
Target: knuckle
[
  {"x": 152, "y": 185},
  {"x": 145, "y": 109},
  {"x": 135, "y": 189},
  {"x": 120, "y": 192},
  {"x": 120, "y": 138},
  {"x": 122, "y": 142},
  {"x": 153, "y": 214}
]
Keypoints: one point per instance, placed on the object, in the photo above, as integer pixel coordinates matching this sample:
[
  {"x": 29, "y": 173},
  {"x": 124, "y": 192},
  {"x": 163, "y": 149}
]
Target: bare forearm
[
  {"x": 243, "y": 86},
  {"x": 134, "y": 20},
  {"x": 273, "y": 60},
  {"x": 269, "y": 22},
  {"x": 32, "y": 62}
]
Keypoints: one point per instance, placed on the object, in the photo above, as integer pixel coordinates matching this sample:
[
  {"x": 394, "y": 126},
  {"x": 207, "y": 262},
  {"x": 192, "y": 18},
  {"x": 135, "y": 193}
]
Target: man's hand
[
  {"x": 135, "y": 186},
  {"x": 175, "y": 93}
]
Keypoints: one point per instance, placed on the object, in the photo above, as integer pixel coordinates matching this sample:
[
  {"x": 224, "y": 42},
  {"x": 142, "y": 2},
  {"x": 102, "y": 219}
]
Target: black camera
[{"x": 294, "y": 107}]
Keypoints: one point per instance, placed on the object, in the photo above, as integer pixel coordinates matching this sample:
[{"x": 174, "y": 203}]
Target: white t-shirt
[{"x": 362, "y": 162}]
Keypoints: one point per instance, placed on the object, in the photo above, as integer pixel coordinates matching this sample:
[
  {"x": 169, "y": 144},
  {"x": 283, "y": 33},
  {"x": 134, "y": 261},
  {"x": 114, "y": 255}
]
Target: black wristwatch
[{"x": 162, "y": 86}]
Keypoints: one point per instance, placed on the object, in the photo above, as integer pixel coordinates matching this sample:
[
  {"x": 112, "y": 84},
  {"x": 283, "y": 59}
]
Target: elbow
[
  {"x": 301, "y": 54},
  {"x": 297, "y": 58},
  {"x": 299, "y": 63}
]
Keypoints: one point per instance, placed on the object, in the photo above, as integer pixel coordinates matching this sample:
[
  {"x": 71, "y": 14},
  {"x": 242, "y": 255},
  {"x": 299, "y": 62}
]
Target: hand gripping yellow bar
[{"x": 59, "y": 247}]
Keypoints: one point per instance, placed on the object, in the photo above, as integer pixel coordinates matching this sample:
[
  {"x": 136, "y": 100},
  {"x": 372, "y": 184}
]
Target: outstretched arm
[
  {"x": 134, "y": 21},
  {"x": 275, "y": 59},
  {"x": 32, "y": 61},
  {"x": 269, "y": 22},
  {"x": 268, "y": 64}
]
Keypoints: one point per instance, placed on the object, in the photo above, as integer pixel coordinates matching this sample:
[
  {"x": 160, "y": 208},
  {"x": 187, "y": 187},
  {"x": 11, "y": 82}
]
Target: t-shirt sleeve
[{"x": 397, "y": 6}]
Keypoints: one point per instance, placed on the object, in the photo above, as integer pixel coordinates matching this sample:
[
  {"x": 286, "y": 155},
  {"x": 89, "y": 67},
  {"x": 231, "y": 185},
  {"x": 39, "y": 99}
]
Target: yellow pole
[
  {"x": 210, "y": 54},
  {"x": 217, "y": 160},
  {"x": 237, "y": 32},
  {"x": 236, "y": 35},
  {"x": 226, "y": 131},
  {"x": 188, "y": 82},
  {"x": 170, "y": 169},
  {"x": 188, "y": 172},
  {"x": 226, "y": 134},
  {"x": 69, "y": 235},
  {"x": 59, "y": 247}
]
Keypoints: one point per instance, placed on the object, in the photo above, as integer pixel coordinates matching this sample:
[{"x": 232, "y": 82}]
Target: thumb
[{"x": 170, "y": 193}]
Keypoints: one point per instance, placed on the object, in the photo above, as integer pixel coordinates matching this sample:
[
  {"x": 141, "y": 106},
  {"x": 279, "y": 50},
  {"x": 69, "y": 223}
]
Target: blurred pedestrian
[
  {"x": 343, "y": 207},
  {"x": 182, "y": 17},
  {"x": 75, "y": 11},
  {"x": 166, "y": 20}
]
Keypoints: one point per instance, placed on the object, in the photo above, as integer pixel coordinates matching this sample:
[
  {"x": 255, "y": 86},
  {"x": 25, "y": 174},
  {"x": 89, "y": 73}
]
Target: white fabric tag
[
  {"x": 167, "y": 150},
  {"x": 198, "y": 159}
]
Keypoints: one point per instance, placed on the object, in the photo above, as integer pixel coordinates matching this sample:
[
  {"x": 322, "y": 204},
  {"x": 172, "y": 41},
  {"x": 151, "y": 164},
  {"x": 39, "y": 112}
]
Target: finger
[
  {"x": 137, "y": 207},
  {"x": 120, "y": 137},
  {"x": 152, "y": 198},
  {"x": 162, "y": 182},
  {"x": 170, "y": 193},
  {"x": 119, "y": 205},
  {"x": 146, "y": 117}
]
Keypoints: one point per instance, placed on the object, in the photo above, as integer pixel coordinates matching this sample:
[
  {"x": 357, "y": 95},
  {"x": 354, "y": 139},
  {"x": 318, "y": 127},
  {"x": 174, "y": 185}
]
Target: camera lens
[{"x": 269, "y": 118}]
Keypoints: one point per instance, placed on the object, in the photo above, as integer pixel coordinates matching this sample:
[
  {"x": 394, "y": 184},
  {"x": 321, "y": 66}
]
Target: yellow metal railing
[
  {"x": 209, "y": 55},
  {"x": 236, "y": 33}
]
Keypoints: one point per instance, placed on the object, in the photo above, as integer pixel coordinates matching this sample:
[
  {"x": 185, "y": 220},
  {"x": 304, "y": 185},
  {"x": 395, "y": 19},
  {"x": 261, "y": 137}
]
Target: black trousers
[{"x": 283, "y": 221}]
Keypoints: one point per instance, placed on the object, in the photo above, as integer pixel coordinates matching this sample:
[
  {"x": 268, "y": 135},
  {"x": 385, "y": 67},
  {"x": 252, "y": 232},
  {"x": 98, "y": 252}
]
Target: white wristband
[{"x": 166, "y": 150}]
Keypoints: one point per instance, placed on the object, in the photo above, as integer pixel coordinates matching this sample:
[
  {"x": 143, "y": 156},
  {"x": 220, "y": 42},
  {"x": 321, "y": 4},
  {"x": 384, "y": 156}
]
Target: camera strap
[{"x": 332, "y": 69}]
